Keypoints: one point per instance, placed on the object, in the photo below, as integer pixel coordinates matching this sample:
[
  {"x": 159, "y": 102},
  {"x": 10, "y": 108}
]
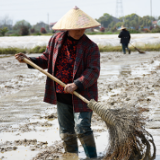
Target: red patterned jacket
[{"x": 85, "y": 73}]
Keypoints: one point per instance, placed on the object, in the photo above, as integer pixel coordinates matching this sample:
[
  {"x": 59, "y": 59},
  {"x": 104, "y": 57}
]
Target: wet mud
[{"x": 29, "y": 127}]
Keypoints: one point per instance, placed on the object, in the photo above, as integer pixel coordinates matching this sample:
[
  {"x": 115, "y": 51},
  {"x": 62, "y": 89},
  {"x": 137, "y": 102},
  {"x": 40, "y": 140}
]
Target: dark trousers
[
  {"x": 73, "y": 124},
  {"x": 124, "y": 47}
]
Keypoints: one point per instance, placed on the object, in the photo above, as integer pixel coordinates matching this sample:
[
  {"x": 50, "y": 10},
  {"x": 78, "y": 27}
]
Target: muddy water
[{"x": 28, "y": 126}]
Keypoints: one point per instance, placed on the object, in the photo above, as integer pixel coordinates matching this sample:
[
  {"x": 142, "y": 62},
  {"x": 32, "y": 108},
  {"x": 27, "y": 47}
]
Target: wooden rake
[
  {"x": 141, "y": 52},
  {"x": 125, "y": 126}
]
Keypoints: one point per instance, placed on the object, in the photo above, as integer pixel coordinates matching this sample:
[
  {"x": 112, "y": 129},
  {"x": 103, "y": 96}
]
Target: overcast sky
[{"x": 35, "y": 11}]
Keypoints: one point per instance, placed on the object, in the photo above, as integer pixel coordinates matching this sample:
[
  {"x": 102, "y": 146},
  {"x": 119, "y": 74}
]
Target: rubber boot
[
  {"x": 129, "y": 51},
  {"x": 70, "y": 143},
  {"x": 89, "y": 145}
]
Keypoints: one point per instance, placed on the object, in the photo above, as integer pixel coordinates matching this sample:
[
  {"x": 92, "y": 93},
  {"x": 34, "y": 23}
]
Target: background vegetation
[
  {"x": 109, "y": 25},
  {"x": 11, "y": 50},
  {"x": 107, "y": 48}
]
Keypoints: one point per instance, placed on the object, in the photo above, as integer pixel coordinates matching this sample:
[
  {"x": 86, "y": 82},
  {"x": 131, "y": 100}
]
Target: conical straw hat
[
  {"x": 122, "y": 27},
  {"x": 75, "y": 19}
]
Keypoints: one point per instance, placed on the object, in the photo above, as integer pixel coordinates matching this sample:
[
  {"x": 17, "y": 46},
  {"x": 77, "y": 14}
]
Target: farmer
[
  {"x": 125, "y": 38},
  {"x": 74, "y": 59}
]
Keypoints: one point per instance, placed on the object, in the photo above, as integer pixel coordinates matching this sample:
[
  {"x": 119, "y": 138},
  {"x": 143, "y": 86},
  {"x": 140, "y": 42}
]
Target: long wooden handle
[
  {"x": 53, "y": 78},
  {"x": 133, "y": 45}
]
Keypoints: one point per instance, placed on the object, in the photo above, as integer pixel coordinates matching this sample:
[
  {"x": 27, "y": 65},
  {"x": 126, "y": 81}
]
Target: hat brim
[
  {"x": 75, "y": 19},
  {"x": 74, "y": 28},
  {"x": 122, "y": 28}
]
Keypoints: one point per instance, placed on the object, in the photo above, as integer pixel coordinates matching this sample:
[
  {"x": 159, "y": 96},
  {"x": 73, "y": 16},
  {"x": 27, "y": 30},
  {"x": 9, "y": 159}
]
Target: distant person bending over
[
  {"x": 125, "y": 39},
  {"x": 74, "y": 59}
]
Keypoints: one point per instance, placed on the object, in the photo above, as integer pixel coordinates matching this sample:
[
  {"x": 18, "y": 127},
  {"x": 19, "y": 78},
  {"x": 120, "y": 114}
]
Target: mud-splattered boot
[
  {"x": 70, "y": 143},
  {"x": 129, "y": 51},
  {"x": 89, "y": 145}
]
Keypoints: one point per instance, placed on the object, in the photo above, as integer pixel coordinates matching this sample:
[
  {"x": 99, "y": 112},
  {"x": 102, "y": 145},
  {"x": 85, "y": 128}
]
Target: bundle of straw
[{"x": 128, "y": 138}]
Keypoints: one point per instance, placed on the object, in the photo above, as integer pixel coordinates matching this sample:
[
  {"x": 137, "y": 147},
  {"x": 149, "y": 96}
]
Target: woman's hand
[
  {"x": 70, "y": 88},
  {"x": 20, "y": 56}
]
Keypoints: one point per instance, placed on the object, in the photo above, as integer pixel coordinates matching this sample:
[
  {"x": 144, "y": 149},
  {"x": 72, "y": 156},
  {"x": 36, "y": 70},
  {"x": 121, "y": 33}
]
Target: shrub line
[{"x": 107, "y": 48}]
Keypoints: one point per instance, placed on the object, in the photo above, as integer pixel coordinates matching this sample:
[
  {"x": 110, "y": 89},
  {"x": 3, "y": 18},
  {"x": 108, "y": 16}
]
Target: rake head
[{"x": 128, "y": 138}]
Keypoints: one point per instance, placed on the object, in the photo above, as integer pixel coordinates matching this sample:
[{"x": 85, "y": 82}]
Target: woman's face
[{"x": 76, "y": 34}]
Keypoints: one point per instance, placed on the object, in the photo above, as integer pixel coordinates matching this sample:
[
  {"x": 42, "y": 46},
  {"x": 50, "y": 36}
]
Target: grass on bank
[
  {"x": 12, "y": 50},
  {"x": 107, "y": 48},
  {"x": 146, "y": 47}
]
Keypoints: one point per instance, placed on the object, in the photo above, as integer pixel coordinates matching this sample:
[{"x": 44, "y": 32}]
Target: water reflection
[{"x": 125, "y": 70}]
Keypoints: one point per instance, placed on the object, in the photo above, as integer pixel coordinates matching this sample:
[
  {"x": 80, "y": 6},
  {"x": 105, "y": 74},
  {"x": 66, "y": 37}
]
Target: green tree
[
  {"x": 24, "y": 31},
  {"x": 147, "y": 20},
  {"x": 105, "y": 20},
  {"x": 40, "y": 25},
  {"x": 3, "y": 31},
  {"x": 22, "y": 27},
  {"x": 112, "y": 24},
  {"x": 127, "y": 23},
  {"x": 6, "y": 22},
  {"x": 131, "y": 20},
  {"x": 114, "y": 29},
  {"x": 21, "y": 23},
  {"x": 119, "y": 24}
]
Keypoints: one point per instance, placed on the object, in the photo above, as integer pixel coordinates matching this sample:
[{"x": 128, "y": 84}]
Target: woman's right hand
[{"x": 20, "y": 56}]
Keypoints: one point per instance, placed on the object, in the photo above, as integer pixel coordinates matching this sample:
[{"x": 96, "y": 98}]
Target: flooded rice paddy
[{"x": 29, "y": 127}]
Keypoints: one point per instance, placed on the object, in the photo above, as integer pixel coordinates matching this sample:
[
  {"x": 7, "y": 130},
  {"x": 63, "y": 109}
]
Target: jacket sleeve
[
  {"x": 42, "y": 61},
  {"x": 129, "y": 37},
  {"x": 92, "y": 71},
  {"x": 120, "y": 35}
]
